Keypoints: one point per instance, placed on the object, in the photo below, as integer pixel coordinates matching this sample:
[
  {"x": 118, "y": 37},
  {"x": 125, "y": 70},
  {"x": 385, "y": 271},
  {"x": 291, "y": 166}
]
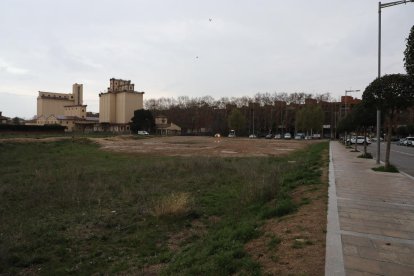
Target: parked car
[
  {"x": 316, "y": 136},
  {"x": 374, "y": 139},
  {"x": 402, "y": 142},
  {"x": 269, "y": 136},
  {"x": 299, "y": 136},
  {"x": 143, "y": 132},
  {"x": 360, "y": 140},
  {"x": 252, "y": 136},
  {"x": 232, "y": 134},
  {"x": 278, "y": 136},
  {"x": 287, "y": 136},
  {"x": 409, "y": 142}
]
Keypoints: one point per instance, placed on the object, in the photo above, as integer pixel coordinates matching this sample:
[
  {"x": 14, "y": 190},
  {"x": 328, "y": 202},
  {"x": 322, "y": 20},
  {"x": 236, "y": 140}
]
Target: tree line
[{"x": 260, "y": 114}]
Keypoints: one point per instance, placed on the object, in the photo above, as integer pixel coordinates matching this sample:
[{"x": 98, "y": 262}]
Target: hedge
[{"x": 30, "y": 128}]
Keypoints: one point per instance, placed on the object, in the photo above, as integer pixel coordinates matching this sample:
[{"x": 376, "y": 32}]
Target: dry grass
[{"x": 174, "y": 204}]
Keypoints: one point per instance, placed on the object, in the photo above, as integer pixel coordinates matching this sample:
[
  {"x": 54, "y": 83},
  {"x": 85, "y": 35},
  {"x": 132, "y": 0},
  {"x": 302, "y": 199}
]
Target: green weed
[
  {"x": 68, "y": 207},
  {"x": 390, "y": 169},
  {"x": 366, "y": 156},
  {"x": 274, "y": 242}
]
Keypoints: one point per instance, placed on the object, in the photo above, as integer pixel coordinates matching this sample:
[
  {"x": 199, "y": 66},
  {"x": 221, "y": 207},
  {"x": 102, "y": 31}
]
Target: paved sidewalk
[{"x": 370, "y": 218}]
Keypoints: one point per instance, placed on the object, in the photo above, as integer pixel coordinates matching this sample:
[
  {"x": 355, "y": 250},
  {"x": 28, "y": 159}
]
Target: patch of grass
[
  {"x": 301, "y": 243},
  {"x": 366, "y": 156},
  {"x": 305, "y": 201},
  {"x": 390, "y": 169},
  {"x": 174, "y": 204},
  {"x": 283, "y": 207},
  {"x": 274, "y": 242},
  {"x": 220, "y": 252},
  {"x": 68, "y": 207}
]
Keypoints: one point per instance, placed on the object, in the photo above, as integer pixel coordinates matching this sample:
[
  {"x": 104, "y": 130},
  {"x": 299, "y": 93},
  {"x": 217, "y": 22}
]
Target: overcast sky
[{"x": 172, "y": 48}]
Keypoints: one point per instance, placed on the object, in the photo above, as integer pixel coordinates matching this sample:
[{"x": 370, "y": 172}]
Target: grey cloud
[{"x": 249, "y": 46}]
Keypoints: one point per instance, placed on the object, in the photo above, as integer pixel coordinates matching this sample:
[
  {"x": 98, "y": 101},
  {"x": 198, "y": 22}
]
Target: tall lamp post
[{"x": 380, "y": 6}]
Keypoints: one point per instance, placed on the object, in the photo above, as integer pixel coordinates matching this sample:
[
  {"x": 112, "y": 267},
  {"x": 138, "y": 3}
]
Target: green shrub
[
  {"x": 366, "y": 156},
  {"x": 390, "y": 169},
  {"x": 274, "y": 241},
  {"x": 283, "y": 207}
]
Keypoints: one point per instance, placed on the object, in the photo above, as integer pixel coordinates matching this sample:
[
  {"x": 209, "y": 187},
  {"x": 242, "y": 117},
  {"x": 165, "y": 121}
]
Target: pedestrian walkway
[{"x": 370, "y": 218}]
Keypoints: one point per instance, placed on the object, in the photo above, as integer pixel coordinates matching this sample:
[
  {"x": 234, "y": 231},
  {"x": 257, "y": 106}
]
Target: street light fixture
[
  {"x": 346, "y": 108},
  {"x": 380, "y": 6},
  {"x": 346, "y": 94}
]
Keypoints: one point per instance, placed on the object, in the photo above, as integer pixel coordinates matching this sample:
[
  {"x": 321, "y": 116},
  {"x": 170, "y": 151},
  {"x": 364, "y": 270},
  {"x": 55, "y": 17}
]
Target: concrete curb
[{"x": 334, "y": 260}]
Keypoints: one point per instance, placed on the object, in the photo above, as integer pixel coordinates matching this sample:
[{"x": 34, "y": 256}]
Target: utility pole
[{"x": 253, "y": 120}]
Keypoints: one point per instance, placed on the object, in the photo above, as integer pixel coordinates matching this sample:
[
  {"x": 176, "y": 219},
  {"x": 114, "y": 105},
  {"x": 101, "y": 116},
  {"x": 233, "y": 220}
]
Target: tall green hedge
[{"x": 32, "y": 128}]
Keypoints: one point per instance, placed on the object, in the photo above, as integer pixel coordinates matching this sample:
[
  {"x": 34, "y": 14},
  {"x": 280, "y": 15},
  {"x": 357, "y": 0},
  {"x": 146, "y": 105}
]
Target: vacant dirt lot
[{"x": 200, "y": 146}]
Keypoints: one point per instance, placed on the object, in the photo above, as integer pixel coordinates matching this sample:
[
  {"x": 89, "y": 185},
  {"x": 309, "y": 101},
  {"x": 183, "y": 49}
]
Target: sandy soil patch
[{"x": 200, "y": 146}]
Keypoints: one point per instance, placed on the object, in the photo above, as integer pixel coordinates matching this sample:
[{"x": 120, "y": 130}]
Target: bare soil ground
[{"x": 200, "y": 146}]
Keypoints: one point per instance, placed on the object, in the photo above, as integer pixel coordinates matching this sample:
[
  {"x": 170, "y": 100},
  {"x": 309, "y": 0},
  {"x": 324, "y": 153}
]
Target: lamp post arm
[{"x": 390, "y": 4}]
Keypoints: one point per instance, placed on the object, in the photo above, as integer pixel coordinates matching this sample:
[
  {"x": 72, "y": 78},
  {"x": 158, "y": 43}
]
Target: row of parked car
[
  {"x": 273, "y": 136},
  {"x": 358, "y": 140},
  {"x": 408, "y": 142},
  {"x": 287, "y": 135}
]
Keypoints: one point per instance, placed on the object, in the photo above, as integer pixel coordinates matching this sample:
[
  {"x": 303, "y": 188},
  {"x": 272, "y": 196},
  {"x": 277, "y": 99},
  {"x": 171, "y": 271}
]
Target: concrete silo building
[{"x": 117, "y": 106}]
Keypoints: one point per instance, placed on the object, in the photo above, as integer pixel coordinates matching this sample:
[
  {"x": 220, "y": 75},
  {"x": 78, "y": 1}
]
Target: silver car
[
  {"x": 409, "y": 142},
  {"x": 359, "y": 140}
]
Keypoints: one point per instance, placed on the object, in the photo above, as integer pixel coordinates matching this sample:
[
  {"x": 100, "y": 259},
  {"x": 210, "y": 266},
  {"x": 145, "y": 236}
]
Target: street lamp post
[{"x": 380, "y": 6}]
